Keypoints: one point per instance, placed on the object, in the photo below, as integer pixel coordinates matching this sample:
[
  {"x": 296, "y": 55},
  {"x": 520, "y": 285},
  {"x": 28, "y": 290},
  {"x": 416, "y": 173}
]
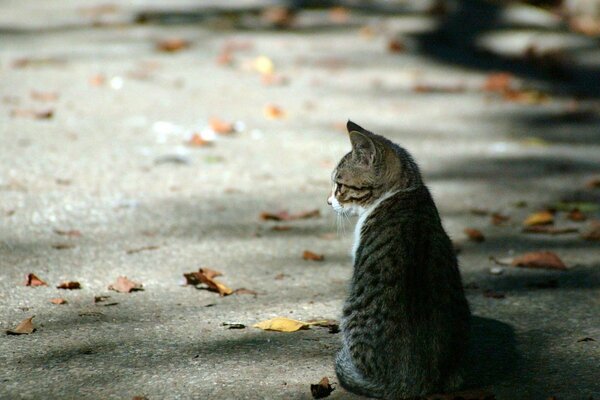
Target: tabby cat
[{"x": 405, "y": 323}]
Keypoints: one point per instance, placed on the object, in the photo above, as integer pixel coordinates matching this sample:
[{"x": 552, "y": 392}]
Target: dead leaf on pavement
[
  {"x": 539, "y": 218},
  {"x": 281, "y": 324},
  {"x": 69, "y": 233},
  {"x": 321, "y": 389},
  {"x": 499, "y": 219},
  {"x": 100, "y": 299},
  {"x": 234, "y": 326},
  {"x": 24, "y": 328},
  {"x": 271, "y": 111},
  {"x": 396, "y": 46},
  {"x": 593, "y": 232},
  {"x": 33, "y": 280},
  {"x": 43, "y": 96},
  {"x": 498, "y": 82},
  {"x": 125, "y": 285},
  {"x": 69, "y": 285},
  {"x": 172, "y": 45},
  {"x": 310, "y": 256},
  {"x": 474, "y": 235},
  {"x": 281, "y": 228},
  {"x": 97, "y": 80},
  {"x": 197, "y": 141},
  {"x": 549, "y": 230},
  {"x": 58, "y": 300},
  {"x": 539, "y": 259},
  {"x": 221, "y": 127},
  {"x": 205, "y": 276},
  {"x": 30, "y": 113},
  {"x": 63, "y": 246},
  {"x": 285, "y": 216},
  {"x": 576, "y": 215},
  {"x": 339, "y": 15},
  {"x": 280, "y": 276}
]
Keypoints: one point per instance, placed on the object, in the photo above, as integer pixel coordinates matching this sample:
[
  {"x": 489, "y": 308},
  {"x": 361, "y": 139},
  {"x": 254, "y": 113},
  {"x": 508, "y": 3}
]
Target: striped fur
[{"x": 405, "y": 322}]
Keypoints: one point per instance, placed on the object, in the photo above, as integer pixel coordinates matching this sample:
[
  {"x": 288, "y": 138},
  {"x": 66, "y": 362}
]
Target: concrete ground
[{"x": 112, "y": 163}]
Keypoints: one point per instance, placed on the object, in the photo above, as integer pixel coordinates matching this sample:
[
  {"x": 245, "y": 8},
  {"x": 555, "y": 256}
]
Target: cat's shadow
[{"x": 492, "y": 353}]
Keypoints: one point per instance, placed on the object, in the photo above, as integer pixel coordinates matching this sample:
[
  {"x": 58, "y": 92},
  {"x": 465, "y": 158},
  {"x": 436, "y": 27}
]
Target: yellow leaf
[
  {"x": 223, "y": 290},
  {"x": 539, "y": 218},
  {"x": 263, "y": 65},
  {"x": 281, "y": 324}
]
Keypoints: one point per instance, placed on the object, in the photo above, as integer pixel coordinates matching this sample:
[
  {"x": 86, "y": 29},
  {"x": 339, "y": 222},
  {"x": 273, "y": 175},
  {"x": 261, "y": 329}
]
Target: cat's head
[{"x": 374, "y": 167}]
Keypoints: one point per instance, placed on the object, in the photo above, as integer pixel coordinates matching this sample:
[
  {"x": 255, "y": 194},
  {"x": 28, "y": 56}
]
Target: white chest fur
[{"x": 362, "y": 217}]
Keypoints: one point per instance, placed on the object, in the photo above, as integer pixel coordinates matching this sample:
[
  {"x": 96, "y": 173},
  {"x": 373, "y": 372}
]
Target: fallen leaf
[
  {"x": 281, "y": 228},
  {"x": 310, "y": 256},
  {"x": 69, "y": 285},
  {"x": 172, "y": 45},
  {"x": 69, "y": 233},
  {"x": 593, "y": 183},
  {"x": 285, "y": 216},
  {"x": 63, "y": 246},
  {"x": 339, "y": 15},
  {"x": 549, "y": 230},
  {"x": 221, "y": 127},
  {"x": 205, "y": 276},
  {"x": 525, "y": 96},
  {"x": 321, "y": 389},
  {"x": 245, "y": 291},
  {"x": 58, "y": 300},
  {"x": 124, "y": 285},
  {"x": 492, "y": 294},
  {"x": 100, "y": 299},
  {"x": 539, "y": 218},
  {"x": 539, "y": 259},
  {"x": 274, "y": 80},
  {"x": 576, "y": 215},
  {"x": 140, "y": 398},
  {"x": 234, "y": 326},
  {"x": 396, "y": 46},
  {"x": 499, "y": 219},
  {"x": 278, "y": 16},
  {"x": 97, "y": 80},
  {"x": 593, "y": 232},
  {"x": 426, "y": 88},
  {"x": 280, "y": 276},
  {"x": 197, "y": 141},
  {"x": 498, "y": 82},
  {"x": 143, "y": 248},
  {"x": 33, "y": 280},
  {"x": 474, "y": 235},
  {"x": 271, "y": 111},
  {"x": 281, "y": 324},
  {"x": 29, "y": 113},
  {"x": 43, "y": 96},
  {"x": 24, "y": 328}
]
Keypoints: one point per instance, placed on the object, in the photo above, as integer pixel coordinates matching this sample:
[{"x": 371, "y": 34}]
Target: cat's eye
[{"x": 357, "y": 188}]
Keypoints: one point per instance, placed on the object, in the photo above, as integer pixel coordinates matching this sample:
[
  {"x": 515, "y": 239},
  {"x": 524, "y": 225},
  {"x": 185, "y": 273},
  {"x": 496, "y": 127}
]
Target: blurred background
[{"x": 151, "y": 138}]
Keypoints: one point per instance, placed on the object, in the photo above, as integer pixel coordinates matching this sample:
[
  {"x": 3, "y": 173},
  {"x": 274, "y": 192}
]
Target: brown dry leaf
[
  {"x": 525, "y": 96},
  {"x": 285, "y": 216},
  {"x": 498, "y": 82},
  {"x": 281, "y": 324},
  {"x": 539, "y": 259},
  {"x": 396, "y": 46},
  {"x": 172, "y": 45},
  {"x": 278, "y": 16},
  {"x": 34, "y": 114},
  {"x": 43, "y": 96},
  {"x": 593, "y": 232},
  {"x": 339, "y": 15},
  {"x": 499, "y": 219},
  {"x": 58, "y": 300},
  {"x": 197, "y": 141},
  {"x": 576, "y": 215},
  {"x": 281, "y": 228},
  {"x": 63, "y": 246},
  {"x": 549, "y": 230},
  {"x": 280, "y": 276},
  {"x": 474, "y": 235},
  {"x": 587, "y": 24},
  {"x": 33, "y": 280},
  {"x": 205, "y": 276},
  {"x": 427, "y": 88},
  {"x": 310, "y": 256},
  {"x": 593, "y": 183},
  {"x": 69, "y": 233},
  {"x": 24, "y": 328},
  {"x": 124, "y": 285},
  {"x": 221, "y": 127},
  {"x": 539, "y": 218},
  {"x": 97, "y": 80},
  {"x": 321, "y": 389},
  {"x": 271, "y": 111},
  {"x": 69, "y": 285}
]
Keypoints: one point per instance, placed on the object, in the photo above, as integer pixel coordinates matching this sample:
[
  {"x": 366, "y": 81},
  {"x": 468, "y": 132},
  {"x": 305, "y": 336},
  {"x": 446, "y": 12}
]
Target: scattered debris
[
  {"x": 499, "y": 219},
  {"x": 172, "y": 45},
  {"x": 322, "y": 389},
  {"x": 281, "y": 228},
  {"x": 576, "y": 215},
  {"x": 221, "y": 127},
  {"x": 536, "y": 259},
  {"x": 539, "y": 218},
  {"x": 196, "y": 140},
  {"x": 593, "y": 232},
  {"x": 206, "y": 276},
  {"x": 280, "y": 276},
  {"x": 396, "y": 46},
  {"x": 271, "y": 111},
  {"x": 282, "y": 324},
  {"x": 63, "y": 246},
  {"x": 245, "y": 291},
  {"x": 474, "y": 235},
  {"x": 234, "y": 326},
  {"x": 332, "y": 325},
  {"x": 100, "y": 299},
  {"x": 43, "y": 96},
  {"x": 586, "y": 339},
  {"x": 33, "y": 280},
  {"x": 58, "y": 300},
  {"x": 310, "y": 256},
  {"x": 73, "y": 233},
  {"x": 69, "y": 285},
  {"x": 125, "y": 285},
  {"x": 285, "y": 216},
  {"x": 549, "y": 230},
  {"x": 30, "y": 113},
  {"x": 25, "y": 327},
  {"x": 143, "y": 248}
]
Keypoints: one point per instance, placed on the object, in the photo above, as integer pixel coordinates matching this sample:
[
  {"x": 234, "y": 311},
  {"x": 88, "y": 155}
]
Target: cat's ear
[
  {"x": 351, "y": 126},
  {"x": 363, "y": 148}
]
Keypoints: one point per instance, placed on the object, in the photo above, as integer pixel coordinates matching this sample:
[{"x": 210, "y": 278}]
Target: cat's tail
[{"x": 351, "y": 379}]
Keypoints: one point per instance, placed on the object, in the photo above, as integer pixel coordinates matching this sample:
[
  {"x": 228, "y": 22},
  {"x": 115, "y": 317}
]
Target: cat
[{"x": 405, "y": 322}]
